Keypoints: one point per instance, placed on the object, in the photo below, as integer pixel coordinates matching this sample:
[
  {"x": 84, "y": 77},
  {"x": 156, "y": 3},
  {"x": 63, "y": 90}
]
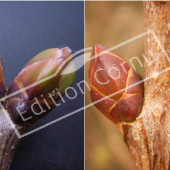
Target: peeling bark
[{"x": 148, "y": 137}]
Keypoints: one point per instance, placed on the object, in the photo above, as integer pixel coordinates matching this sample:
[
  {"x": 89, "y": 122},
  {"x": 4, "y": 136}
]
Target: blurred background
[
  {"x": 28, "y": 28},
  {"x": 110, "y": 23}
]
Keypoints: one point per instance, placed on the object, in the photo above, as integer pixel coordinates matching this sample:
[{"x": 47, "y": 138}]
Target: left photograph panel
[{"x": 42, "y": 85}]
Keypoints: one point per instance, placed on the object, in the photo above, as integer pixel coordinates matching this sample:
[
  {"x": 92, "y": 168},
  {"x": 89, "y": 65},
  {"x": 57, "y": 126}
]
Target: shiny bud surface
[
  {"x": 116, "y": 89},
  {"x": 40, "y": 77}
]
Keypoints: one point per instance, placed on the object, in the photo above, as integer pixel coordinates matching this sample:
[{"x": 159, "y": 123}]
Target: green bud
[{"x": 41, "y": 76}]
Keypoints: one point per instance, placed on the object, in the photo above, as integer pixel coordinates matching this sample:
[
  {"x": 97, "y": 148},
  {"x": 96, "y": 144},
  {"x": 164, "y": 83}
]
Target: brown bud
[
  {"x": 115, "y": 90},
  {"x": 2, "y": 80}
]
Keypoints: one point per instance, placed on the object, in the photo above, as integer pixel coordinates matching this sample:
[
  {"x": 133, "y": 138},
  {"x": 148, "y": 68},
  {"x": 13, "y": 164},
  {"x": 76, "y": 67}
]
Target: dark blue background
[{"x": 27, "y": 28}]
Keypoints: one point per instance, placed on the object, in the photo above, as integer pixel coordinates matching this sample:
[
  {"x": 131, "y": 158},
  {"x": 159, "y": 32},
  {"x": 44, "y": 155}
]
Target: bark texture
[
  {"x": 148, "y": 137},
  {"x": 8, "y": 141}
]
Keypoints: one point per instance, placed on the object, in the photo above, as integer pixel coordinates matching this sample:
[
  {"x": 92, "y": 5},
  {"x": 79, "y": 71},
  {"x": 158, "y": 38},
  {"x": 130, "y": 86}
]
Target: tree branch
[
  {"x": 8, "y": 141},
  {"x": 148, "y": 138}
]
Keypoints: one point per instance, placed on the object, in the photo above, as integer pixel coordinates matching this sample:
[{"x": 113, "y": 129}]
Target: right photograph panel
[{"x": 114, "y": 70}]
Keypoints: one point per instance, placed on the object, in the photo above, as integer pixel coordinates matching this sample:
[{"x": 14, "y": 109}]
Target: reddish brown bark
[{"x": 148, "y": 138}]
